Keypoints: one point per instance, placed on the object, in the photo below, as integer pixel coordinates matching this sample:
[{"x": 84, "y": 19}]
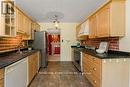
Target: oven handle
[{"x": 81, "y": 61}]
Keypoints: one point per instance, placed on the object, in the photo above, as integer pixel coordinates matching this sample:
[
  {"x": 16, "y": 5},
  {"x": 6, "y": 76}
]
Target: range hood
[{"x": 84, "y": 31}]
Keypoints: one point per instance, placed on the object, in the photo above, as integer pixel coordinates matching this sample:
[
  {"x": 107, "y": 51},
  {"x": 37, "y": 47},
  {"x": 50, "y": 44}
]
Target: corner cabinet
[
  {"x": 106, "y": 72},
  {"x": 109, "y": 21},
  {"x": 34, "y": 27}
]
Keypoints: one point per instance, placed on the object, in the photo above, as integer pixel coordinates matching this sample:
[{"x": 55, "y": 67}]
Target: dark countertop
[
  {"x": 7, "y": 59},
  {"x": 109, "y": 55}
]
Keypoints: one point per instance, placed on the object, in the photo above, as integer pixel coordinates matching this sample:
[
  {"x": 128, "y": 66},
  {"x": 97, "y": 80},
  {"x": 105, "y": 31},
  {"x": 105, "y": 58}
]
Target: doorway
[{"x": 54, "y": 45}]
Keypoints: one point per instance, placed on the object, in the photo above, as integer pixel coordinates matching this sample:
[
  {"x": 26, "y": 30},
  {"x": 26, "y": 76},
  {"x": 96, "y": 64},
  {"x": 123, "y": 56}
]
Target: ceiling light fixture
[{"x": 56, "y": 22}]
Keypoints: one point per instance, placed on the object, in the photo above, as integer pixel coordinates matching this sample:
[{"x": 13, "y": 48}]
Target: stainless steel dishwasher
[{"x": 16, "y": 74}]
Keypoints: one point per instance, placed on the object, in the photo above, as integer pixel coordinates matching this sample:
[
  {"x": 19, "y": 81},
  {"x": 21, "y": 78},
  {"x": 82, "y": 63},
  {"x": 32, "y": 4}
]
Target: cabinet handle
[{"x": 94, "y": 69}]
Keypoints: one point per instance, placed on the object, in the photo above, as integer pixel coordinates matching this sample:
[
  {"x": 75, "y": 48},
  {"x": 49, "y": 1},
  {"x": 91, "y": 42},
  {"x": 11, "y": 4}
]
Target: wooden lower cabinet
[
  {"x": 2, "y": 83},
  {"x": 92, "y": 69},
  {"x": 1, "y": 77},
  {"x": 106, "y": 72},
  {"x": 33, "y": 66}
]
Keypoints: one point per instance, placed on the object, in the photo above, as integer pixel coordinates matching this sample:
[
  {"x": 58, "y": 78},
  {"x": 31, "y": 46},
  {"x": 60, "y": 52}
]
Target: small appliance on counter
[
  {"x": 103, "y": 47},
  {"x": 78, "y": 44}
]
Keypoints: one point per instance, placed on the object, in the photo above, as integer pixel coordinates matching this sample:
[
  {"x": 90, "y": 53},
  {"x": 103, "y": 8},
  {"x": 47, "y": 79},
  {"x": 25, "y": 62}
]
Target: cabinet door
[
  {"x": 1, "y": 77},
  {"x": 27, "y": 26},
  {"x": 92, "y": 26},
  {"x": 2, "y": 27},
  {"x": 2, "y": 83},
  {"x": 103, "y": 22},
  {"x": 20, "y": 21},
  {"x": 77, "y": 30},
  {"x": 7, "y": 24},
  {"x": 36, "y": 62},
  {"x": 33, "y": 61},
  {"x": 31, "y": 68},
  {"x": 36, "y": 26}
]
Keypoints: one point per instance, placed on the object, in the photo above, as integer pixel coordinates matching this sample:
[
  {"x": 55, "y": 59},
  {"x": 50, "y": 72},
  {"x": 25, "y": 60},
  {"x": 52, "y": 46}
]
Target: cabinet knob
[
  {"x": 94, "y": 69},
  {"x": 95, "y": 81}
]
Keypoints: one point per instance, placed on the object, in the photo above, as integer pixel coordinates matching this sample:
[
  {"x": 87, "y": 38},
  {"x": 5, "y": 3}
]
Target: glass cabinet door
[{"x": 8, "y": 20}]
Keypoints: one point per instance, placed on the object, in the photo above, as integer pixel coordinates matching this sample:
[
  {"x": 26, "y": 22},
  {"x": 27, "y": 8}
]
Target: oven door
[{"x": 77, "y": 60}]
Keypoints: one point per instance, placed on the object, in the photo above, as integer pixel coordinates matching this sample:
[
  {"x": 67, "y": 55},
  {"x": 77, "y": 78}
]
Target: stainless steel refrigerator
[{"x": 40, "y": 43}]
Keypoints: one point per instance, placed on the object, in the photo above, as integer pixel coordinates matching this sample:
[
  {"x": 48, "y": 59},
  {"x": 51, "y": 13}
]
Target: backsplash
[
  {"x": 113, "y": 42},
  {"x": 7, "y": 43}
]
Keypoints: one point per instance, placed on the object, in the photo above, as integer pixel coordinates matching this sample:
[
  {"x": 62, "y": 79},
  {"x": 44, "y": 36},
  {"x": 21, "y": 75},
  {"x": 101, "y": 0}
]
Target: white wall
[
  {"x": 67, "y": 35},
  {"x": 124, "y": 43}
]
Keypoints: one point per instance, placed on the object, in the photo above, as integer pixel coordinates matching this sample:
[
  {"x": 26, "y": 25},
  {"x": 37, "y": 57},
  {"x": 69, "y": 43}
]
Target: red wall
[{"x": 51, "y": 38}]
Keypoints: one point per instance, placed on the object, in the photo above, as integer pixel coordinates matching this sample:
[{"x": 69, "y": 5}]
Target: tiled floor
[
  {"x": 55, "y": 57},
  {"x": 59, "y": 74}
]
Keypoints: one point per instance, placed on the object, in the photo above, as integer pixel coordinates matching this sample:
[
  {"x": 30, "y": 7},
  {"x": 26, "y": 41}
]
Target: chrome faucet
[
  {"x": 19, "y": 51},
  {"x": 19, "y": 48}
]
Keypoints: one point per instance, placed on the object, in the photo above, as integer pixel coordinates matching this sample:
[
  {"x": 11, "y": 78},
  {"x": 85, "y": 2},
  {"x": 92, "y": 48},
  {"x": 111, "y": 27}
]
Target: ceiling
[{"x": 73, "y": 10}]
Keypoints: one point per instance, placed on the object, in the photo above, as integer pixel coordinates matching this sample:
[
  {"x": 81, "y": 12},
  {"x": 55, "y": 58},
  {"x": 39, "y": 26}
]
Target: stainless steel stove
[{"x": 77, "y": 58}]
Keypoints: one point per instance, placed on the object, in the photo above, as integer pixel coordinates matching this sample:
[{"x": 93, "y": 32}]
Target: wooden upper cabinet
[
  {"x": 109, "y": 21},
  {"x": 7, "y": 22},
  {"x": 92, "y": 26},
  {"x": 20, "y": 21},
  {"x": 36, "y": 26},
  {"x": 77, "y": 30},
  {"x": 103, "y": 22},
  {"x": 27, "y": 27}
]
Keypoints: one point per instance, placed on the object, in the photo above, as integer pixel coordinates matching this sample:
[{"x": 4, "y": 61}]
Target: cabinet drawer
[
  {"x": 92, "y": 59},
  {"x": 1, "y": 73},
  {"x": 87, "y": 69},
  {"x": 2, "y": 83},
  {"x": 86, "y": 55},
  {"x": 95, "y": 60},
  {"x": 95, "y": 81},
  {"x": 88, "y": 74},
  {"x": 96, "y": 70}
]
